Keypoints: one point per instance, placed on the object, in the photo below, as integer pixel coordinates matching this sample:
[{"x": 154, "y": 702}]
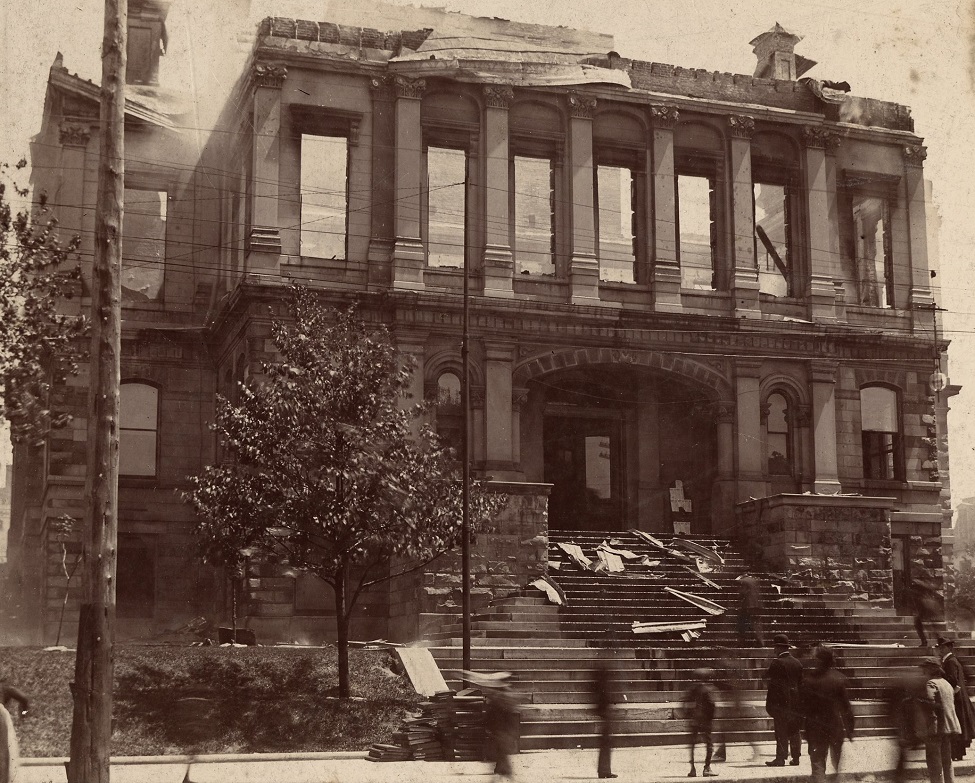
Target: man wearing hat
[
  {"x": 784, "y": 675},
  {"x": 955, "y": 675},
  {"x": 939, "y": 722}
]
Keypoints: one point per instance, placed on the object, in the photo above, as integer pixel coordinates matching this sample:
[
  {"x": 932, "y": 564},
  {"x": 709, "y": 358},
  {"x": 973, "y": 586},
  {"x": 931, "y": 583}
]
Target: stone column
[
  {"x": 744, "y": 278},
  {"x": 802, "y": 420},
  {"x": 723, "y": 489},
  {"x": 650, "y": 503},
  {"x": 822, "y": 272},
  {"x": 264, "y": 242},
  {"x": 922, "y": 300},
  {"x": 822, "y": 375},
  {"x": 497, "y": 406},
  {"x": 583, "y": 266},
  {"x": 665, "y": 285},
  {"x": 74, "y": 137},
  {"x": 413, "y": 346},
  {"x": 498, "y": 264},
  {"x": 382, "y": 227},
  {"x": 519, "y": 398},
  {"x": 408, "y": 255},
  {"x": 751, "y": 478}
]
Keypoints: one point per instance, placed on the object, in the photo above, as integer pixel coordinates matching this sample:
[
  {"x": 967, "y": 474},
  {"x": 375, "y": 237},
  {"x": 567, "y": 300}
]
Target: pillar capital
[
  {"x": 742, "y": 126},
  {"x": 74, "y": 134},
  {"x": 914, "y": 155},
  {"x": 724, "y": 411},
  {"x": 382, "y": 87},
  {"x": 817, "y": 137},
  {"x": 269, "y": 75},
  {"x": 664, "y": 116},
  {"x": 409, "y": 88},
  {"x": 580, "y": 106},
  {"x": 498, "y": 96}
]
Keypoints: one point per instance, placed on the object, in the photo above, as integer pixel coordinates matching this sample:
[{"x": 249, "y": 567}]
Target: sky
[{"x": 908, "y": 51}]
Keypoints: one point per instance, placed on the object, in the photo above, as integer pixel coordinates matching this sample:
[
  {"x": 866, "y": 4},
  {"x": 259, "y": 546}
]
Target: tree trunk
[
  {"x": 91, "y": 730},
  {"x": 342, "y": 630}
]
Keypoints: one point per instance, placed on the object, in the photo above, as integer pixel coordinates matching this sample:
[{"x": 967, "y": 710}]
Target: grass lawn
[{"x": 174, "y": 700}]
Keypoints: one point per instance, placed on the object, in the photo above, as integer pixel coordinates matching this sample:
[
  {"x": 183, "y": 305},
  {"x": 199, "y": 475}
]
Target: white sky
[{"x": 916, "y": 53}]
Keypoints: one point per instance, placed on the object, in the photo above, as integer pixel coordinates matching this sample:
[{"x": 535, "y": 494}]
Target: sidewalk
[{"x": 865, "y": 759}]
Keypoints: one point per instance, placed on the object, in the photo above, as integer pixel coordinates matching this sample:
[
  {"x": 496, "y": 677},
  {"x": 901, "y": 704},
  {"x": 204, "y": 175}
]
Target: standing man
[
  {"x": 940, "y": 722},
  {"x": 784, "y": 676},
  {"x": 828, "y": 714},
  {"x": 955, "y": 675},
  {"x": 604, "y": 706}
]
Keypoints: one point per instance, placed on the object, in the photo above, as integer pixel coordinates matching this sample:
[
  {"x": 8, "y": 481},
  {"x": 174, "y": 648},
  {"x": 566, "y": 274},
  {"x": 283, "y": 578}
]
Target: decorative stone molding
[
  {"x": 664, "y": 116},
  {"x": 266, "y": 75},
  {"x": 519, "y": 397},
  {"x": 724, "y": 412},
  {"x": 581, "y": 106},
  {"x": 382, "y": 86},
  {"x": 822, "y": 372},
  {"x": 74, "y": 134},
  {"x": 499, "y": 96},
  {"x": 409, "y": 88},
  {"x": 742, "y": 126},
  {"x": 803, "y": 415},
  {"x": 820, "y": 138},
  {"x": 914, "y": 155},
  {"x": 478, "y": 397}
]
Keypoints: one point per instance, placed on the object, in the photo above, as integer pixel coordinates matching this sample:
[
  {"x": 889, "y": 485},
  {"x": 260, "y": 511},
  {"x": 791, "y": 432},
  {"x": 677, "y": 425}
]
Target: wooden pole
[{"x": 91, "y": 730}]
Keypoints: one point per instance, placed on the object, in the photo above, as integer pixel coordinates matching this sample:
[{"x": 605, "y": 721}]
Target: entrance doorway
[{"x": 584, "y": 463}]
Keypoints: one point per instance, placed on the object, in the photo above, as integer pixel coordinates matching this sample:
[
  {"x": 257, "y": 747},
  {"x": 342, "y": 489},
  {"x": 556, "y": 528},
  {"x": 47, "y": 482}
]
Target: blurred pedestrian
[
  {"x": 700, "y": 705},
  {"x": 731, "y": 680},
  {"x": 9, "y": 755},
  {"x": 827, "y": 714},
  {"x": 955, "y": 675},
  {"x": 749, "y": 622},
  {"x": 604, "y": 705},
  {"x": 905, "y": 699},
  {"x": 939, "y": 722},
  {"x": 501, "y": 720},
  {"x": 784, "y": 676},
  {"x": 924, "y": 607}
]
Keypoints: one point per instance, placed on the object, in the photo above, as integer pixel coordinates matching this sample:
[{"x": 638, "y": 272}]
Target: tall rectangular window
[
  {"x": 696, "y": 233},
  {"x": 143, "y": 245},
  {"x": 616, "y": 223},
  {"x": 872, "y": 251},
  {"x": 534, "y": 216},
  {"x": 773, "y": 238},
  {"x": 324, "y": 194},
  {"x": 881, "y": 433},
  {"x": 446, "y": 202},
  {"x": 138, "y": 425}
]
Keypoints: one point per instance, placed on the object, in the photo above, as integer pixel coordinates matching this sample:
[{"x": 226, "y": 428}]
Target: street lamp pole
[{"x": 465, "y": 393}]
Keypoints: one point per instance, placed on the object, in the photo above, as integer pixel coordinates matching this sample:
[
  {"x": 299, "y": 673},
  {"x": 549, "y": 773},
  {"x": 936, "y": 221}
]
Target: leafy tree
[
  {"x": 38, "y": 342},
  {"x": 326, "y": 473}
]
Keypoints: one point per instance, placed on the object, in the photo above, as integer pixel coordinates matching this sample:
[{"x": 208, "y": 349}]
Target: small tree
[
  {"x": 38, "y": 343},
  {"x": 326, "y": 473}
]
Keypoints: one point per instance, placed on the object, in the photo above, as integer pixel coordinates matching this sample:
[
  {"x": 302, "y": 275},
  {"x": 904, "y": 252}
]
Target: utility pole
[{"x": 91, "y": 729}]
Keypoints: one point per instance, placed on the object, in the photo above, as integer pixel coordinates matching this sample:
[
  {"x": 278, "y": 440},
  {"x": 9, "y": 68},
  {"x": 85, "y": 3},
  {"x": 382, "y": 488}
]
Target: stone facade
[{"x": 612, "y": 355}]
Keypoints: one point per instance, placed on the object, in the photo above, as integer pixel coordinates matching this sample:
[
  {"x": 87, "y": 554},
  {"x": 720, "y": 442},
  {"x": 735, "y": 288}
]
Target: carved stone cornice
[
  {"x": 74, "y": 134},
  {"x": 267, "y": 75},
  {"x": 499, "y": 96},
  {"x": 742, "y": 126},
  {"x": 664, "y": 116},
  {"x": 581, "y": 106},
  {"x": 820, "y": 138},
  {"x": 409, "y": 88},
  {"x": 914, "y": 155}
]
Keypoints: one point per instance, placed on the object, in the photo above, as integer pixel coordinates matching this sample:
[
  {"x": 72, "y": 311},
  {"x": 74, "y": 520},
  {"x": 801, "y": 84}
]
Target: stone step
[{"x": 667, "y": 710}]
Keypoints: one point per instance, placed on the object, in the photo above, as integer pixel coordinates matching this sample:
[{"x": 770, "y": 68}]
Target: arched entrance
[{"x": 614, "y": 439}]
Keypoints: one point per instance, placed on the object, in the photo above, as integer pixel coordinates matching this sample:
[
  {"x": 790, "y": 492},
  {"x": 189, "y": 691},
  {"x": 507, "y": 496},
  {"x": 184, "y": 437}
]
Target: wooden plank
[
  {"x": 701, "y": 603},
  {"x": 422, "y": 670}
]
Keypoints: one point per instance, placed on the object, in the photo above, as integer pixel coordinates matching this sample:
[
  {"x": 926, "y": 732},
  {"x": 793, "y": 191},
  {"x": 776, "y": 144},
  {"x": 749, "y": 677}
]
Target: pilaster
[
  {"x": 748, "y": 418},
  {"x": 408, "y": 255},
  {"x": 822, "y": 294},
  {"x": 583, "y": 268},
  {"x": 74, "y": 137},
  {"x": 744, "y": 279},
  {"x": 497, "y": 406},
  {"x": 822, "y": 376},
  {"x": 382, "y": 228},
  {"x": 498, "y": 263},
  {"x": 922, "y": 300},
  {"x": 264, "y": 242},
  {"x": 665, "y": 284}
]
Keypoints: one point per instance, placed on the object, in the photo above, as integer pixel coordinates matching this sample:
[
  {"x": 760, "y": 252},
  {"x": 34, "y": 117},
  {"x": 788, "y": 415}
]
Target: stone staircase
[{"x": 552, "y": 650}]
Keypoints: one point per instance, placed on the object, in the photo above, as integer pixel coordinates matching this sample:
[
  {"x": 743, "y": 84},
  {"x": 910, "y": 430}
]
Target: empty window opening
[
  {"x": 881, "y": 438},
  {"x": 446, "y": 206},
  {"x": 772, "y": 238},
  {"x": 143, "y": 245},
  {"x": 448, "y": 389},
  {"x": 778, "y": 436},
  {"x": 534, "y": 212},
  {"x": 616, "y": 221},
  {"x": 138, "y": 428},
  {"x": 324, "y": 193},
  {"x": 696, "y": 233},
  {"x": 874, "y": 269}
]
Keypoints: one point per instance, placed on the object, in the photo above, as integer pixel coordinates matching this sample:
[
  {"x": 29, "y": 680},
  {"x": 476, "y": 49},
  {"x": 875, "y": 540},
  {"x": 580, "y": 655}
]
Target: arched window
[
  {"x": 450, "y": 418},
  {"x": 881, "y": 433},
  {"x": 448, "y": 389},
  {"x": 779, "y": 436},
  {"x": 138, "y": 429}
]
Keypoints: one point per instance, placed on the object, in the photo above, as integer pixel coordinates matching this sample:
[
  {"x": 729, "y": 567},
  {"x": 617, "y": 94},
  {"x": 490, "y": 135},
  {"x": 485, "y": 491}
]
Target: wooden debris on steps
[
  {"x": 656, "y": 542},
  {"x": 422, "y": 670},
  {"x": 701, "y": 603},
  {"x": 698, "y": 549},
  {"x": 702, "y": 577},
  {"x": 670, "y": 626},
  {"x": 608, "y": 562},
  {"x": 548, "y": 586},
  {"x": 574, "y": 552},
  {"x": 614, "y": 549}
]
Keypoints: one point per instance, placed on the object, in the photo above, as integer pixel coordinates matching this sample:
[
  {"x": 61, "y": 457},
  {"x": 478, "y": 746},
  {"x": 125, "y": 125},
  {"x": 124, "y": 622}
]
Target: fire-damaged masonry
[{"x": 701, "y": 304}]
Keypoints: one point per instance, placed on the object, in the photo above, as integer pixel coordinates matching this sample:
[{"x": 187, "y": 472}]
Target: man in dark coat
[
  {"x": 955, "y": 675},
  {"x": 784, "y": 676},
  {"x": 604, "y": 706},
  {"x": 826, "y": 711}
]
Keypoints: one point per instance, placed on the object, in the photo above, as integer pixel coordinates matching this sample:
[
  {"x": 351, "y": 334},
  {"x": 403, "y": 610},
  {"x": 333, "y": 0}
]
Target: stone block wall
[
  {"x": 506, "y": 555},
  {"x": 833, "y": 544}
]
